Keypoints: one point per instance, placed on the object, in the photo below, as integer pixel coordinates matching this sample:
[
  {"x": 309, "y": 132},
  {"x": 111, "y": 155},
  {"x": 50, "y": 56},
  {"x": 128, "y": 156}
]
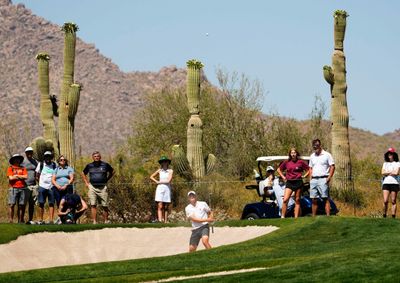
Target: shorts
[
  {"x": 391, "y": 187},
  {"x": 17, "y": 195},
  {"x": 98, "y": 195},
  {"x": 163, "y": 194},
  {"x": 45, "y": 194},
  {"x": 319, "y": 188},
  {"x": 199, "y": 233},
  {"x": 294, "y": 185},
  {"x": 32, "y": 194}
]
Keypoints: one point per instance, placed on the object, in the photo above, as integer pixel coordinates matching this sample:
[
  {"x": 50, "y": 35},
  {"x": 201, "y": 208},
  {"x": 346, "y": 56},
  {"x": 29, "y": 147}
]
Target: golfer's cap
[
  {"x": 48, "y": 153},
  {"x": 191, "y": 193},
  {"x": 270, "y": 168},
  {"x": 29, "y": 148}
]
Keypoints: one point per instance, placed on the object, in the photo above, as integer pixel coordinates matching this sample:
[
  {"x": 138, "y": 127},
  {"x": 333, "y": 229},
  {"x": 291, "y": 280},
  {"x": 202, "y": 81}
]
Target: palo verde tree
[{"x": 335, "y": 75}]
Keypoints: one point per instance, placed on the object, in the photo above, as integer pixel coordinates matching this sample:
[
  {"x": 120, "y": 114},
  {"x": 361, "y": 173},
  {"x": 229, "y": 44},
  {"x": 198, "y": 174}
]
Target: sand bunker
[{"x": 42, "y": 250}]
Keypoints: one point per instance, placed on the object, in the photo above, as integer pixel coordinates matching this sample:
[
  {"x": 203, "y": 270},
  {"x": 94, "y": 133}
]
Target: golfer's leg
[
  {"x": 205, "y": 241},
  {"x": 192, "y": 248}
]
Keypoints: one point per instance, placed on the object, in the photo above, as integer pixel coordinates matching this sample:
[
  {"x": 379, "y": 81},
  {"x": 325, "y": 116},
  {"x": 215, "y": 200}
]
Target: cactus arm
[
  {"x": 180, "y": 162},
  {"x": 46, "y": 104},
  {"x": 328, "y": 74},
  {"x": 73, "y": 101},
  {"x": 195, "y": 146},
  {"x": 39, "y": 148},
  {"x": 211, "y": 162}
]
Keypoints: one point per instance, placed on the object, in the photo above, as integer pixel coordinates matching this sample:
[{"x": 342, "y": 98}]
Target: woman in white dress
[
  {"x": 390, "y": 183},
  {"x": 163, "y": 191}
]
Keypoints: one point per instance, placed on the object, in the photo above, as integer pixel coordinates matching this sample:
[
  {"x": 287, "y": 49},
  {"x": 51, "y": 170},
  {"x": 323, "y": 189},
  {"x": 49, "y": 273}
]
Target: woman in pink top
[{"x": 294, "y": 169}]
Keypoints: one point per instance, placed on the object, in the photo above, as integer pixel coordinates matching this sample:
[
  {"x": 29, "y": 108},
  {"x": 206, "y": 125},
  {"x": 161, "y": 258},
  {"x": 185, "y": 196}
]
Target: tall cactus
[
  {"x": 336, "y": 77},
  {"x": 63, "y": 141},
  {"x": 46, "y": 101},
  {"x": 69, "y": 95},
  {"x": 192, "y": 165}
]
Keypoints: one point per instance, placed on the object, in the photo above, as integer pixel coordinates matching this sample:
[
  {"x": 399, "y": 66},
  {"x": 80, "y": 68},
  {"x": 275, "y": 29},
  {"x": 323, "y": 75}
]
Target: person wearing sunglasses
[{"x": 63, "y": 178}]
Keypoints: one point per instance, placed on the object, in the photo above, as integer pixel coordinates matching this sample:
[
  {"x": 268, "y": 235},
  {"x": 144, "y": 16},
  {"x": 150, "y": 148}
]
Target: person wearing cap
[
  {"x": 16, "y": 175},
  {"x": 200, "y": 214},
  {"x": 45, "y": 172},
  {"x": 390, "y": 183},
  {"x": 163, "y": 190},
  {"x": 100, "y": 173},
  {"x": 265, "y": 186},
  {"x": 322, "y": 168},
  {"x": 294, "y": 168},
  {"x": 31, "y": 164}
]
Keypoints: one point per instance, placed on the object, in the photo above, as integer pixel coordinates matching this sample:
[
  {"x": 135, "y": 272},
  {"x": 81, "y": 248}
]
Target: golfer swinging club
[{"x": 200, "y": 214}]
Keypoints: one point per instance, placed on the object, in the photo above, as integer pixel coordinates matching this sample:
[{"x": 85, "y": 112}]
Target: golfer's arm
[{"x": 198, "y": 220}]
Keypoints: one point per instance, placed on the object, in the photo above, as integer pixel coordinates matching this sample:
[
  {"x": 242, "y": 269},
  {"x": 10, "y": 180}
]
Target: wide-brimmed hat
[
  {"x": 393, "y": 152},
  {"x": 17, "y": 157},
  {"x": 164, "y": 158}
]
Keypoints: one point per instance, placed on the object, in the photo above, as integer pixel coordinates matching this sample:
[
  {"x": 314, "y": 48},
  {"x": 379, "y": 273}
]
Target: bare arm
[
  {"x": 331, "y": 172},
  {"x": 85, "y": 179},
  {"x": 281, "y": 174},
  {"x": 84, "y": 206},
  {"x": 153, "y": 177},
  {"x": 60, "y": 212},
  {"x": 53, "y": 181}
]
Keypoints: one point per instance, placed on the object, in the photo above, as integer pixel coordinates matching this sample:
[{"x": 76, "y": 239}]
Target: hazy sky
[{"x": 283, "y": 44}]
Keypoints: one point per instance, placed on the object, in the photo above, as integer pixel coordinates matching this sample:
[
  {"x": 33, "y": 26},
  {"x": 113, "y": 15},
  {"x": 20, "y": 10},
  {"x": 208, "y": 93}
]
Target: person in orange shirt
[{"x": 16, "y": 193}]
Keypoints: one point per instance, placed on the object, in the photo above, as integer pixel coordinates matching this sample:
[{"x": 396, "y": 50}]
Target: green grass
[{"x": 335, "y": 249}]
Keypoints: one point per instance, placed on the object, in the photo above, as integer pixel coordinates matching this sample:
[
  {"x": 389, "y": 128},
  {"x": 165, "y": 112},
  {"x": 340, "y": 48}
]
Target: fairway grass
[{"x": 331, "y": 249}]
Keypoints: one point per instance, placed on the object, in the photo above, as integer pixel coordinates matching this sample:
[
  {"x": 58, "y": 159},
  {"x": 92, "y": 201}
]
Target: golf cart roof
[{"x": 279, "y": 158}]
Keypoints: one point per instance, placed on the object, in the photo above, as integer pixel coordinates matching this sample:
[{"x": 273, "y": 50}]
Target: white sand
[{"x": 42, "y": 250}]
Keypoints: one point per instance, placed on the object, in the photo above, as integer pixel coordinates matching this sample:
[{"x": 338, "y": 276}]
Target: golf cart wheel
[{"x": 252, "y": 216}]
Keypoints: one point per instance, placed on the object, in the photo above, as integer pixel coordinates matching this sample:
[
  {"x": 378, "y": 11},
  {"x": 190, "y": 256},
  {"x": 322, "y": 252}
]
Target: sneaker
[
  {"x": 31, "y": 222},
  {"x": 41, "y": 222},
  {"x": 69, "y": 221},
  {"x": 58, "y": 221}
]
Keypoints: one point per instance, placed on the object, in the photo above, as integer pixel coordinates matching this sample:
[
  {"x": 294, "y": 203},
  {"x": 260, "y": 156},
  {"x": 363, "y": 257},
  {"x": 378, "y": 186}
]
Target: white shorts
[{"x": 163, "y": 193}]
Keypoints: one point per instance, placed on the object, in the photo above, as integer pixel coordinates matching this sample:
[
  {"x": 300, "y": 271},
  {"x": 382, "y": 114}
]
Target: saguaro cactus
[
  {"x": 336, "y": 77},
  {"x": 69, "y": 97},
  {"x": 47, "y": 108},
  {"x": 192, "y": 165},
  {"x": 63, "y": 141}
]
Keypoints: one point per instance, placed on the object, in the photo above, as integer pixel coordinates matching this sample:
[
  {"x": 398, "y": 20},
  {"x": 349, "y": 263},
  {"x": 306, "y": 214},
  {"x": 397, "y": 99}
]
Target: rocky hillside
[{"x": 109, "y": 96}]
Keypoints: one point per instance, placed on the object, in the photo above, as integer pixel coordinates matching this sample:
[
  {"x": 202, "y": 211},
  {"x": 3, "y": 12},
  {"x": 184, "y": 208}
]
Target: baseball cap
[
  {"x": 48, "y": 153},
  {"x": 29, "y": 148},
  {"x": 391, "y": 149},
  {"x": 191, "y": 193},
  {"x": 270, "y": 168}
]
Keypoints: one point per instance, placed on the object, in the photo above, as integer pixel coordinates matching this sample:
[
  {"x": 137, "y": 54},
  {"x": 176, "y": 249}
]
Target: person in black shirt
[
  {"x": 72, "y": 206},
  {"x": 99, "y": 174}
]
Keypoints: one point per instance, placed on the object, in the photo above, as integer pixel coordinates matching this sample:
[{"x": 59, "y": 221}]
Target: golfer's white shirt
[{"x": 200, "y": 210}]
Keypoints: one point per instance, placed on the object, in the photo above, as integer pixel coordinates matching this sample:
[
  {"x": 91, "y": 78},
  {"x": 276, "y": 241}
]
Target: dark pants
[{"x": 58, "y": 195}]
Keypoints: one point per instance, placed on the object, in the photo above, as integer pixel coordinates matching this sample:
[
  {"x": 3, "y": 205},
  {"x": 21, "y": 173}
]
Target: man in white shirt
[
  {"x": 322, "y": 168},
  {"x": 201, "y": 215}
]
